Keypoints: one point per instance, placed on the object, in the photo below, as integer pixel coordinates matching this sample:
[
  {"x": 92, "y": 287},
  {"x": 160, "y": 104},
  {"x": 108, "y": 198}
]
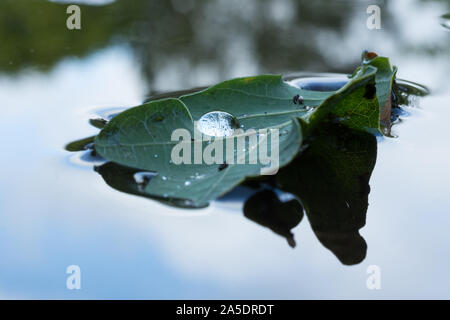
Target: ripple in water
[{"x": 322, "y": 84}]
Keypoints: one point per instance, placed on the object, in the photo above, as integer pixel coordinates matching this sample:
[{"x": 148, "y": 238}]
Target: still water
[{"x": 56, "y": 211}]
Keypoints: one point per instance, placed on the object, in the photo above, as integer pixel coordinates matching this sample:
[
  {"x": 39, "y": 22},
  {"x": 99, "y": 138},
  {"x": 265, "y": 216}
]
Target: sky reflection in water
[{"x": 54, "y": 212}]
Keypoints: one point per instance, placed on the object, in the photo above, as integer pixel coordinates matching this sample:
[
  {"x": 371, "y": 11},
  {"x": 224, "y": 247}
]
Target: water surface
[{"x": 56, "y": 211}]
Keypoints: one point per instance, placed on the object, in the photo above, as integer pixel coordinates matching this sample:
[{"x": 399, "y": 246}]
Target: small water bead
[
  {"x": 298, "y": 99},
  {"x": 187, "y": 183},
  {"x": 143, "y": 178},
  {"x": 217, "y": 124}
]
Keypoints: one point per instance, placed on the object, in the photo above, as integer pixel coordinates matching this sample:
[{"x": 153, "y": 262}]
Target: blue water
[{"x": 55, "y": 211}]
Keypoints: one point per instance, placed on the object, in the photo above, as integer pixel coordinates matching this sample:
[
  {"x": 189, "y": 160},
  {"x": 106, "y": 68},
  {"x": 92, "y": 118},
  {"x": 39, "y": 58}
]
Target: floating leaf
[
  {"x": 141, "y": 137},
  {"x": 80, "y": 145},
  {"x": 256, "y": 102},
  {"x": 123, "y": 179},
  {"x": 353, "y": 105}
]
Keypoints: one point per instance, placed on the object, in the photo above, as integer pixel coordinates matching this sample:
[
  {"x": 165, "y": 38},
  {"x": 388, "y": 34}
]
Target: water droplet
[
  {"x": 217, "y": 124},
  {"x": 164, "y": 178},
  {"x": 187, "y": 183},
  {"x": 143, "y": 178},
  {"x": 156, "y": 156}
]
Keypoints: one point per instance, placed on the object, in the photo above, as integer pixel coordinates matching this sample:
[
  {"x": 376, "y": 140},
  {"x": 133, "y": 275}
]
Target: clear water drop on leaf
[{"x": 217, "y": 124}]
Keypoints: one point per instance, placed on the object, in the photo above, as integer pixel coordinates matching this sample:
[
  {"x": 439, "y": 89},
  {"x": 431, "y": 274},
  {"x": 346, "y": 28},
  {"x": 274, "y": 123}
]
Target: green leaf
[
  {"x": 384, "y": 80},
  {"x": 141, "y": 138},
  {"x": 122, "y": 178},
  {"x": 354, "y": 105},
  {"x": 256, "y": 102},
  {"x": 79, "y": 145}
]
